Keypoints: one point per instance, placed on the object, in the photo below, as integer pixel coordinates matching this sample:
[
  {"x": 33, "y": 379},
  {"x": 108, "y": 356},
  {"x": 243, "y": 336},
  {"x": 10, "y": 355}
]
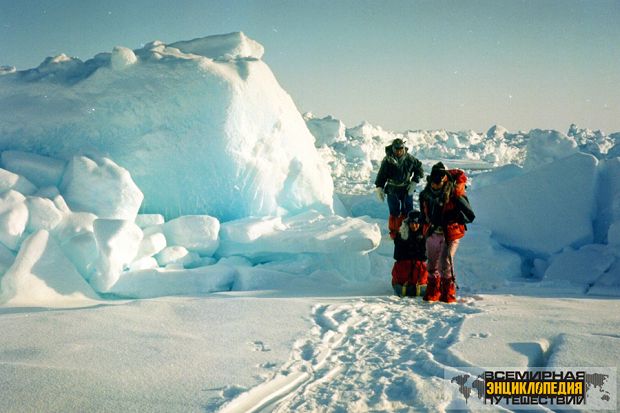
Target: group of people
[{"x": 425, "y": 240}]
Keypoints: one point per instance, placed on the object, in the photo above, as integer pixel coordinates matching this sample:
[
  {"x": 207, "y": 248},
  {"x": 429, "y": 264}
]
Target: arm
[
  {"x": 418, "y": 170},
  {"x": 466, "y": 213},
  {"x": 381, "y": 175}
]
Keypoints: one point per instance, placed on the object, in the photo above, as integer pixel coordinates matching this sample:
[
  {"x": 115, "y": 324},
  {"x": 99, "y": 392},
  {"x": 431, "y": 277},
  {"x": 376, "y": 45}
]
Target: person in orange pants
[
  {"x": 446, "y": 212},
  {"x": 398, "y": 174}
]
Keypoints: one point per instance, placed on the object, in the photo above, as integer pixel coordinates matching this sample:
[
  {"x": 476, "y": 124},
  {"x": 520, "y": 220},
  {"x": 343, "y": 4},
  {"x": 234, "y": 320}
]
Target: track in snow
[{"x": 370, "y": 354}]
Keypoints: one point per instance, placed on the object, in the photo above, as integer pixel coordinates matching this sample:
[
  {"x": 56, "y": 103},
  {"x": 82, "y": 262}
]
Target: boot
[
  {"x": 448, "y": 291},
  {"x": 433, "y": 292}
]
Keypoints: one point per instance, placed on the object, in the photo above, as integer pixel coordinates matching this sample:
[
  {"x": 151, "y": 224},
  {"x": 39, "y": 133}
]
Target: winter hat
[
  {"x": 414, "y": 216},
  {"x": 398, "y": 143},
  {"x": 438, "y": 172}
]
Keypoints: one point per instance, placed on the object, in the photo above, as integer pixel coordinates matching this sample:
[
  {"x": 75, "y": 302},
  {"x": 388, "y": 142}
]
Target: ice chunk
[
  {"x": 577, "y": 269},
  {"x": 40, "y": 170},
  {"x": 75, "y": 235},
  {"x": 482, "y": 264},
  {"x": 249, "y": 229},
  {"x": 103, "y": 188},
  {"x": 157, "y": 118},
  {"x": 42, "y": 214},
  {"x": 82, "y": 251},
  {"x": 117, "y": 242},
  {"x": 43, "y": 276},
  {"x": 222, "y": 47},
  {"x": 144, "y": 263},
  {"x": 52, "y": 193},
  {"x": 613, "y": 235},
  {"x": 309, "y": 232},
  {"x": 326, "y": 131},
  {"x": 10, "y": 180},
  {"x": 151, "y": 244},
  {"x": 176, "y": 255},
  {"x": 147, "y": 220},
  {"x": 608, "y": 284},
  {"x": 162, "y": 282},
  {"x": 197, "y": 233},
  {"x": 13, "y": 219},
  {"x": 546, "y": 146},
  {"x": 544, "y": 210},
  {"x": 74, "y": 223},
  {"x": 122, "y": 57},
  {"x": 608, "y": 200},
  {"x": 7, "y": 257}
]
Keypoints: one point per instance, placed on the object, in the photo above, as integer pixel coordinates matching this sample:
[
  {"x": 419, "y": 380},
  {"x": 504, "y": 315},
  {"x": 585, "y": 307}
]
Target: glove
[
  {"x": 411, "y": 188},
  {"x": 380, "y": 194}
]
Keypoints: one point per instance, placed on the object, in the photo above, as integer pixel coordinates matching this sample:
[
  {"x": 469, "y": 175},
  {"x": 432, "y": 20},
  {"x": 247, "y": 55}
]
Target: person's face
[
  {"x": 414, "y": 226},
  {"x": 440, "y": 184},
  {"x": 399, "y": 152}
]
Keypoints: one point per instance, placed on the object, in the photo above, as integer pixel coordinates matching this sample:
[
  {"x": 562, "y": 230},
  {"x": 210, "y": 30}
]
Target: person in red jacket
[{"x": 446, "y": 212}]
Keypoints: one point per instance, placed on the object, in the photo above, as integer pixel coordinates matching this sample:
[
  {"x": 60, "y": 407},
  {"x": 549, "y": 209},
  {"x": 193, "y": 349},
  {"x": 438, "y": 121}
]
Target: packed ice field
[{"x": 176, "y": 200}]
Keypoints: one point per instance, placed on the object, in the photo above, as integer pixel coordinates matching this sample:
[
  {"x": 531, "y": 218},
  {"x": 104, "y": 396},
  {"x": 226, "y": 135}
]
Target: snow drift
[{"x": 202, "y": 126}]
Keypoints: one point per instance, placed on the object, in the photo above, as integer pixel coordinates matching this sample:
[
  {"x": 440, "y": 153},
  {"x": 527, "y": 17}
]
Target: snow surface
[{"x": 169, "y": 242}]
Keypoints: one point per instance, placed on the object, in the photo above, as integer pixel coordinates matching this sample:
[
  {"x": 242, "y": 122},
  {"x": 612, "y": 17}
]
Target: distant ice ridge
[
  {"x": 354, "y": 154},
  {"x": 202, "y": 126},
  {"x": 78, "y": 234},
  {"x": 551, "y": 197}
]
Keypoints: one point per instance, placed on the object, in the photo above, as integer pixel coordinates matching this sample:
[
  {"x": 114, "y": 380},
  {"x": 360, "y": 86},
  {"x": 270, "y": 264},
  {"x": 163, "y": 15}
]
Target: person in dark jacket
[
  {"x": 409, "y": 275},
  {"x": 398, "y": 174},
  {"x": 446, "y": 212}
]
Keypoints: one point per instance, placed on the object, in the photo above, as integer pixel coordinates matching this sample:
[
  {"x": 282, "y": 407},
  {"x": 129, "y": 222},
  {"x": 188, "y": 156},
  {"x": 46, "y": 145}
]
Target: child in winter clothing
[{"x": 409, "y": 273}]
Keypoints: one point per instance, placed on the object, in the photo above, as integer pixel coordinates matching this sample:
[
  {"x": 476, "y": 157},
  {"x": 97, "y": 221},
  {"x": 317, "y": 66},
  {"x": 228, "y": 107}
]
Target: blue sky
[{"x": 400, "y": 64}]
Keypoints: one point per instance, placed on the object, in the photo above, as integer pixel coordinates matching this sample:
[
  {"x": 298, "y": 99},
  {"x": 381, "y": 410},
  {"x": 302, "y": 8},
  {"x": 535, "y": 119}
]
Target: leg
[
  {"x": 448, "y": 285},
  {"x": 394, "y": 218},
  {"x": 407, "y": 203},
  {"x": 448, "y": 252},
  {"x": 434, "y": 246}
]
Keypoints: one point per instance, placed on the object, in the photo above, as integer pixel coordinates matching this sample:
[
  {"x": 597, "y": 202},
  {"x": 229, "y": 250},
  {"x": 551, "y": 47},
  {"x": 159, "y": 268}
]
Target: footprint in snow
[
  {"x": 260, "y": 346},
  {"x": 268, "y": 365}
]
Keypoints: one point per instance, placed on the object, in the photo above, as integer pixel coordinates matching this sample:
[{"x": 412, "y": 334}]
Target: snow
[
  {"x": 222, "y": 47},
  {"x": 42, "y": 276},
  {"x": 204, "y": 246}
]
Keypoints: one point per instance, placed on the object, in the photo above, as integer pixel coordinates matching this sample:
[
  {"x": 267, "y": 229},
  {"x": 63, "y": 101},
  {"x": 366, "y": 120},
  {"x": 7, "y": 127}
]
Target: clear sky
[{"x": 401, "y": 64}]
